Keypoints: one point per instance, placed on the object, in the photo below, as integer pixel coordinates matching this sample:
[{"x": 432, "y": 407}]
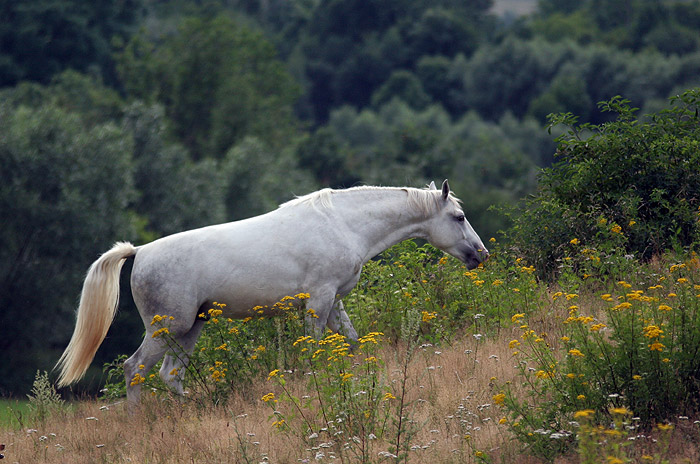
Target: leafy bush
[{"x": 640, "y": 177}]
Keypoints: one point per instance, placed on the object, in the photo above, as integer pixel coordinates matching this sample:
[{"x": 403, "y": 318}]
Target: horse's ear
[
  {"x": 445, "y": 190},
  {"x": 432, "y": 185}
]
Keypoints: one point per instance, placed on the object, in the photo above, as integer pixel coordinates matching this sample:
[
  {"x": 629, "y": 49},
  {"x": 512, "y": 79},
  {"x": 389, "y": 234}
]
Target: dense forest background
[{"x": 134, "y": 119}]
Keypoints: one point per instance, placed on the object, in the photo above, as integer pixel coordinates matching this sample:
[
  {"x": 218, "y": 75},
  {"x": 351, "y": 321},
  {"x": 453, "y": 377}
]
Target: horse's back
[{"x": 245, "y": 263}]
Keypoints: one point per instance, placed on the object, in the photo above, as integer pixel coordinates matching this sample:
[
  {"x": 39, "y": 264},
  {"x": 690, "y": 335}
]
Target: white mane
[{"x": 425, "y": 200}]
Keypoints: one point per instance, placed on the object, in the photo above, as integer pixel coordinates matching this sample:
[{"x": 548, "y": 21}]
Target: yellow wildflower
[
  {"x": 306, "y": 338},
  {"x": 138, "y": 379},
  {"x": 279, "y": 424},
  {"x": 499, "y": 399},
  {"x": 619, "y": 411},
  {"x": 585, "y": 413},
  {"x": 576, "y": 353},
  {"x": 268, "y": 397},
  {"x": 652, "y": 331},
  {"x": 159, "y": 332},
  {"x": 389, "y": 396},
  {"x": 656, "y": 347},
  {"x": 621, "y": 306}
]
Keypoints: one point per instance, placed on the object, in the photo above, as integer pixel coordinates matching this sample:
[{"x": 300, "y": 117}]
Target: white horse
[{"x": 315, "y": 244}]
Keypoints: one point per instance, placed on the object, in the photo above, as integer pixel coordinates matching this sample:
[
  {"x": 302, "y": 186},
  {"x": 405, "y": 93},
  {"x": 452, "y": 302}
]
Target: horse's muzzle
[{"x": 473, "y": 257}]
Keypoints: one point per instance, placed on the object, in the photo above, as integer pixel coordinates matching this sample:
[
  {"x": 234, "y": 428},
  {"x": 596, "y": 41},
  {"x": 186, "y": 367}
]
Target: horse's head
[{"x": 450, "y": 231}]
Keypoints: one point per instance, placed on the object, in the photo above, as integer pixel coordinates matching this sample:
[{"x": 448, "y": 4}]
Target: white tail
[{"x": 98, "y": 304}]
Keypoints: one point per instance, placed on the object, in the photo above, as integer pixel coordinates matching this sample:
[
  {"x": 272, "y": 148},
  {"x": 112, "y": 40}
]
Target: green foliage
[
  {"x": 352, "y": 48},
  {"x": 64, "y": 193},
  {"x": 637, "y": 178},
  {"x": 669, "y": 27},
  {"x": 172, "y": 187},
  {"x": 42, "y": 38},
  {"x": 218, "y": 82},
  {"x": 261, "y": 177},
  {"x": 80, "y": 170},
  {"x": 44, "y": 401}
]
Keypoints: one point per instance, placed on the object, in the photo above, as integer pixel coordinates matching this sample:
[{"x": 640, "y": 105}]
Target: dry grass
[{"x": 450, "y": 393}]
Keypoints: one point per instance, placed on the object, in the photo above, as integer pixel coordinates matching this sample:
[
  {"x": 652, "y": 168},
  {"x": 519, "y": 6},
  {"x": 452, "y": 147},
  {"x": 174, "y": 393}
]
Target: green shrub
[{"x": 641, "y": 175}]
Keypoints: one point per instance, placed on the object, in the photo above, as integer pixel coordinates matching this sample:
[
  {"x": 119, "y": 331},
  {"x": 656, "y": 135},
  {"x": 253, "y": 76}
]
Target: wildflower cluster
[
  {"x": 631, "y": 352},
  {"x": 348, "y": 406}
]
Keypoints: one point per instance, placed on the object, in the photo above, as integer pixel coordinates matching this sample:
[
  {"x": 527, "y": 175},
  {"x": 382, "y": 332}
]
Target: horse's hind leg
[
  {"x": 138, "y": 365},
  {"x": 173, "y": 369}
]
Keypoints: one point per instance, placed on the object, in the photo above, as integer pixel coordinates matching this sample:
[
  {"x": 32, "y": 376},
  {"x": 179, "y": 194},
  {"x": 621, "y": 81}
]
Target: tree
[
  {"x": 175, "y": 193},
  {"x": 218, "y": 81},
  {"x": 41, "y": 38},
  {"x": 261, "y": 179},
  {"x": 352, "y": 47},
  {"x": 405, "y": 86},
  {"x": 80, "y": 170},
  {"x": 64, "y": 195}
]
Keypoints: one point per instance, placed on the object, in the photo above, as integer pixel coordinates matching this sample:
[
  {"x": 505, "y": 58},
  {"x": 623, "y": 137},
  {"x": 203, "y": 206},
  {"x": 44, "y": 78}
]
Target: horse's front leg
[
  {"x": 338, "y": 321},
  {"x": 318, "y": 310}
]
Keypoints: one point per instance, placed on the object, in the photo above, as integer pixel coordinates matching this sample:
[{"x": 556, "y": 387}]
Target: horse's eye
[{"x": 460, "y": 217}]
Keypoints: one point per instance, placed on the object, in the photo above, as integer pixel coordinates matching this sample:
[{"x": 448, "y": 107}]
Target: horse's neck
[{"x": 380, "y": 221}]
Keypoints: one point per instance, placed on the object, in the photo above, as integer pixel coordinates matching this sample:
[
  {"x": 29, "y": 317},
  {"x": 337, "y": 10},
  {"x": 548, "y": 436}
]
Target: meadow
[{"x": 454, "y": 366}]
